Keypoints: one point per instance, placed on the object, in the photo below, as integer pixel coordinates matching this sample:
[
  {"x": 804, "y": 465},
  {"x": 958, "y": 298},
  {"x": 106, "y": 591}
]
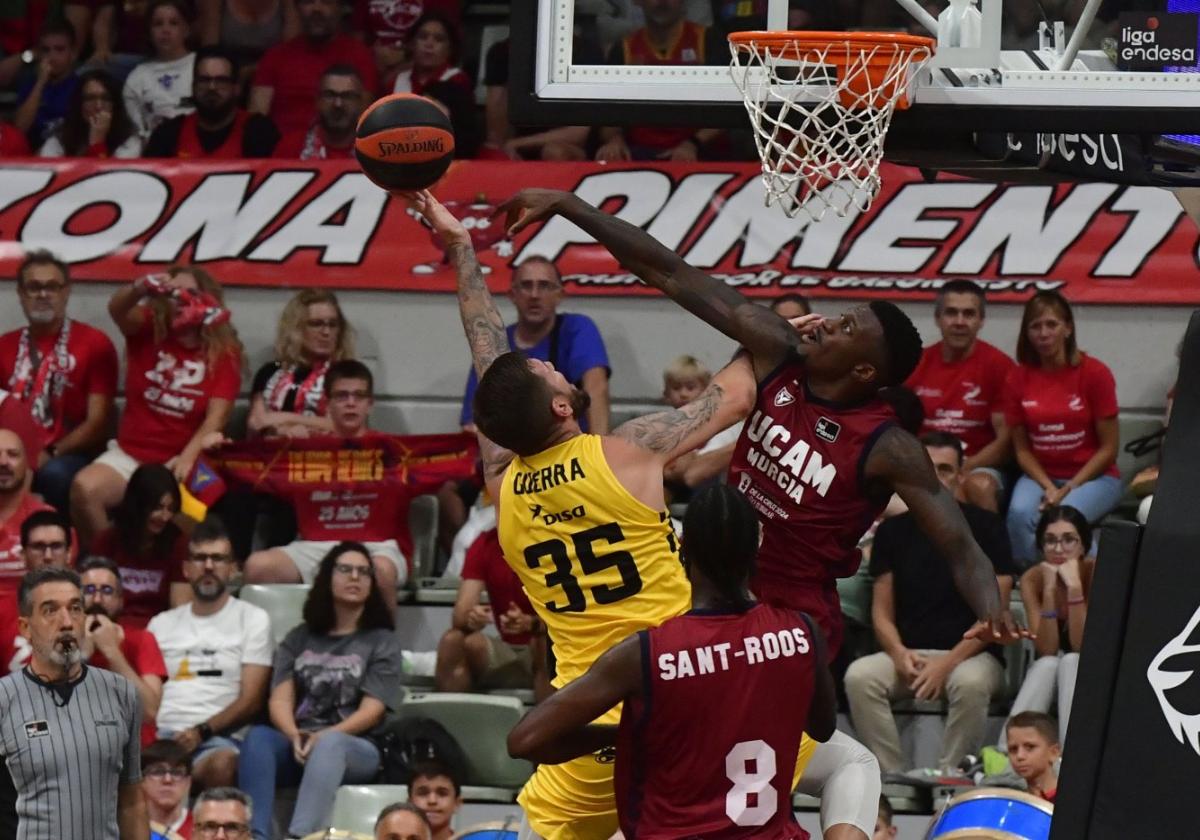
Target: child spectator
[
  {"x": 166, "y": 778},
  {"x": 45, "y": 99},
  {"x": 1056, "y": 593},
  {"x": 1061, "y": 405},
  {"x": 184, "y": 369},
  {"x": 95, "y": 124},
  {"x": 21, "y": 23},
  {"x": 160, "y": 89},
  {"x": 146, "y": 544},
  {"x": 289, "y": 73},
  {"x": 336, "y": 676},
  {"x": 467, "y": 657},
  {"x": 683, "y": 381},
  {"x": 1033, "y": 748},
  {"x": 434, "y": 789},
  {"x": 884, "y": 830}
]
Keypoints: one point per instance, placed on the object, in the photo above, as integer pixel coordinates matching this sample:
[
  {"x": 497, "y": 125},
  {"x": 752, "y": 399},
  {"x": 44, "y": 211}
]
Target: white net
[{"x": 820, "y": 111}]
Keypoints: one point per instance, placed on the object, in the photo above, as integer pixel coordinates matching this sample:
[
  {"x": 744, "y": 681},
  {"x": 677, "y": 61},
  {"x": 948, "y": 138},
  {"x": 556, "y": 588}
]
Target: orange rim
[{"x": 900, "y": 40}]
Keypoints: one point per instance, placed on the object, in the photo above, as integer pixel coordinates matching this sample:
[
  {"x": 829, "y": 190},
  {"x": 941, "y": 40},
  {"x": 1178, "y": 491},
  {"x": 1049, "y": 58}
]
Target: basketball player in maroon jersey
[
  {"x": 702, "y": 749},
  {"x": 818, "y": 459}
]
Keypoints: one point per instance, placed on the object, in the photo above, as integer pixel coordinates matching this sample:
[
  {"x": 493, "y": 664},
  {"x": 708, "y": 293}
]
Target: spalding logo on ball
[{"x": 404, "y": 142}]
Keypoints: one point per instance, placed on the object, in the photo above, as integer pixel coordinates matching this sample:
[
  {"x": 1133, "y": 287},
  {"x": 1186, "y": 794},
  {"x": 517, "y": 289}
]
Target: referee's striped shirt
[{"x": 69, "y": 749}]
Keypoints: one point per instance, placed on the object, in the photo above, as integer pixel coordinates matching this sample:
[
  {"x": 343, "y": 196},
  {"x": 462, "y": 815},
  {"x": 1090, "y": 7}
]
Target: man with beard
[
  {"x": 340, "y": 101},
  {"x": 63, "y": 370},
  {"x": 130, "y": 651},
  {"x": 69, "y": 733},
  {"x": 16, "y": 505},
  {"x": 218, "y": 128},
  {"x": 218, "y": 653},
  {"x": 289, "y": 72}
]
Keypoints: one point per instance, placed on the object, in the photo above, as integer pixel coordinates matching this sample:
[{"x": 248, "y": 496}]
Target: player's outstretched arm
[
  {"x": 899, "y": 461},
  {"x": 728, "y": 398},
  {"x": 480, "y": 318},
  {"x": 560, "y": 728},
  {"x": 766, "y": 335}
]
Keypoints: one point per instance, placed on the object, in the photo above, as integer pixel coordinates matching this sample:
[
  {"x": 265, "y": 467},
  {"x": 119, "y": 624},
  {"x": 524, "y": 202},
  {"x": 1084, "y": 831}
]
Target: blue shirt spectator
[{"x": 569, "y": 341}]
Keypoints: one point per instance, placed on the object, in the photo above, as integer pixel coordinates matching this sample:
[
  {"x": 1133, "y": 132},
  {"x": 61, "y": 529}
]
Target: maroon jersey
[
  {"x": 799, "y": 460},
  {"x": 715, "y": 682}
]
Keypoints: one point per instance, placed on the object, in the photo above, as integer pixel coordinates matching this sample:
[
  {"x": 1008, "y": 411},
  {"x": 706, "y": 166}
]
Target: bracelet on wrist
[
  {"x": 1074, "y": 602},
  {"x": 1049, "y": 613}
]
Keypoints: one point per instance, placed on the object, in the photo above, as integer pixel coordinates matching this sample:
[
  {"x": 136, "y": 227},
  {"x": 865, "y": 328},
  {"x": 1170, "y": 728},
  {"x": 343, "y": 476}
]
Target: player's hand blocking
[
  {"x": 529, "y": 206},
  {"x": 444, "y": 223}
]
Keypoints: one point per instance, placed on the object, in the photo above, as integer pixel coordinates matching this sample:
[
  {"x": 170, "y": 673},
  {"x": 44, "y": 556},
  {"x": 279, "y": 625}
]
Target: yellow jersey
[{"x": 598, "y": 565}]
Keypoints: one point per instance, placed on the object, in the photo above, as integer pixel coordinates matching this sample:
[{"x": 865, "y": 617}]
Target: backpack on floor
[{"x": 411, "y": 741}]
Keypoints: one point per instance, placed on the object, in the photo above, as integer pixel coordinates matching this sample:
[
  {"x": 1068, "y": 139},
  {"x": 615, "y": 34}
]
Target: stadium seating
[
  {"x": 480, "y": 723},
  {"x": 357, "y": 806},
  {"x": 284, "y": 603}
]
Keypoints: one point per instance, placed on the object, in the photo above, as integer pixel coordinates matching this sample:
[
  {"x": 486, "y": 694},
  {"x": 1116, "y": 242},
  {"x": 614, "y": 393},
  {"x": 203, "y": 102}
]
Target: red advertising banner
[{"x": 285, "y": 223}]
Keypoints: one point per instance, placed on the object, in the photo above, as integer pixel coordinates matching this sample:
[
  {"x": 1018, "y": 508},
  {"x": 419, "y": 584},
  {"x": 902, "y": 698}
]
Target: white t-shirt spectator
[
  {"x": 155, "y": 92},
  {"x": 205, "y": 655}
]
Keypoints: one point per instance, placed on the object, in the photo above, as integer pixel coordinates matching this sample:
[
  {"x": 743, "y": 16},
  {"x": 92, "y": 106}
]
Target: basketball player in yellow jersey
[{"x": 581, "y": 518}]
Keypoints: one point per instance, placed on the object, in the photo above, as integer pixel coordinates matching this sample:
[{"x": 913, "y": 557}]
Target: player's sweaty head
[{"x": 521, "y": 403}]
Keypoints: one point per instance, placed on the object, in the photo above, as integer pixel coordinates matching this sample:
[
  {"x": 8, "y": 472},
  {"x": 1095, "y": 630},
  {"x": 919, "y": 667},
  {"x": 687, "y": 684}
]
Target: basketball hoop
[{"x": 821, "y": 104}]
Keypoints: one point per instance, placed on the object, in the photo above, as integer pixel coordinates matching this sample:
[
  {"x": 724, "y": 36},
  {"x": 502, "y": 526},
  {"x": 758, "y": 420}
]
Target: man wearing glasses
[
  {"x": 218, "y": 652},
  {"x": 63, "y": 370},
  {"x": 340, "y": 102},
  {"x": 222, "y": 813},
  {"x": 218, "y": 128},
  {"x": 373, "y": 511},
  {"x": 130, "y": 651}
]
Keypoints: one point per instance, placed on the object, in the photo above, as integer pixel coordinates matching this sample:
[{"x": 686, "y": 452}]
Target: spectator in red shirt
[
  {"x": 960, "y": 381},
  {"x": 166, "y": 780},
  {"x": 45, "y": 540},
  {"x": 118, "y": 646},
  {"x": 146, "y": 545},
  {"x": 1061, "y": 405},
  {"x": 12, "y": 142},
  {"x": 341, "y": 100},
  {"x": 435, "y": 47},
  {"x": 183, "y": 372},
  {"x": 468, "y": 658},
  {"x": 668, "y": 38},
  {"x": 64, "y": 370},
  {"x": 218, "y": 128},
  {"x": 387, "y": 26},
  {"x": 289, "y": 72},
  {"x": 16, "y": 504},
  {"x": 377, "y": 519}
]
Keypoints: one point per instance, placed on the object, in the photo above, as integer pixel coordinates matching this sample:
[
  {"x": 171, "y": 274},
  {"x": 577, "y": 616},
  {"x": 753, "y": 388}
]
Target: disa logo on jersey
[{"x": 576, "y": 512}]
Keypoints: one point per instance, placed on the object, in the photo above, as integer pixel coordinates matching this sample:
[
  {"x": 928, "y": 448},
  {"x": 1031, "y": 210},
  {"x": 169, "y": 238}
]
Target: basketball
[{"x": 404, "y": 142}]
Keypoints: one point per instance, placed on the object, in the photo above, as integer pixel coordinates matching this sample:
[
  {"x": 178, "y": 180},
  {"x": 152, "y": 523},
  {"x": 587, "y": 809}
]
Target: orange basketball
[{"x": 404, "y": 142}]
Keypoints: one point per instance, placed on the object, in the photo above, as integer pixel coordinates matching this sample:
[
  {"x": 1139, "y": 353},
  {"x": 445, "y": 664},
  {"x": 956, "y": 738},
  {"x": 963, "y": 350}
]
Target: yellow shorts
[
  {"x": 572, "y": 801},
  {"x": 807, "y": 747}
]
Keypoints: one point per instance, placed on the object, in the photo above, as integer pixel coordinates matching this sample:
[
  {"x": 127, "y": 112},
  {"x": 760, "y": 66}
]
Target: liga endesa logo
[{"x": 1156, "y": 41}]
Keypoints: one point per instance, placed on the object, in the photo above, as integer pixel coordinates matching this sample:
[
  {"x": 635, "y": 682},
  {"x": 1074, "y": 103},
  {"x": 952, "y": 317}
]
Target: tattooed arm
[
  {"x": 768, "y": 337},
  {"x": 480, "y": 319},
  {"x": 669, "y": 434}
]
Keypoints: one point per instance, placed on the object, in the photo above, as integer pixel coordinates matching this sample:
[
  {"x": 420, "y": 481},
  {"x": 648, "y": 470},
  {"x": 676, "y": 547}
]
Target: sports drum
[{"x": 993, "y": 814}]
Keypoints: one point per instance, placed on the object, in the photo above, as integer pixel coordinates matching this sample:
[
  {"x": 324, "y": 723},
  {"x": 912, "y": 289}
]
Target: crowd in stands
[{"x": 1028, "y": 447}]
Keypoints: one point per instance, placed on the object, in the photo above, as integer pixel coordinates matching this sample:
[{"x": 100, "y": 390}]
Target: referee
[{"x": 69, "y": 733}]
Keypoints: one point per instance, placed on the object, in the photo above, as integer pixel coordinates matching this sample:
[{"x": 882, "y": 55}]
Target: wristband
[
  {"x": 1049, "y": 613},
  {"x": 1076, "y": 602}
]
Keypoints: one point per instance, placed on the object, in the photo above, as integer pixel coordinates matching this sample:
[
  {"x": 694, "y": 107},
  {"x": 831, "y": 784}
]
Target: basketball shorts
[{"x": 574, "y": 800}]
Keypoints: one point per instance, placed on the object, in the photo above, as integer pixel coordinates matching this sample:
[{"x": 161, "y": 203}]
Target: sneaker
[{"x": 418, "y": 663}]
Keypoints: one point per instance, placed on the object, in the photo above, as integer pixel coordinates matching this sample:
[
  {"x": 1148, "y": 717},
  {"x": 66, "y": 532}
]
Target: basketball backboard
[{"x": 1133, "y": 71}]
